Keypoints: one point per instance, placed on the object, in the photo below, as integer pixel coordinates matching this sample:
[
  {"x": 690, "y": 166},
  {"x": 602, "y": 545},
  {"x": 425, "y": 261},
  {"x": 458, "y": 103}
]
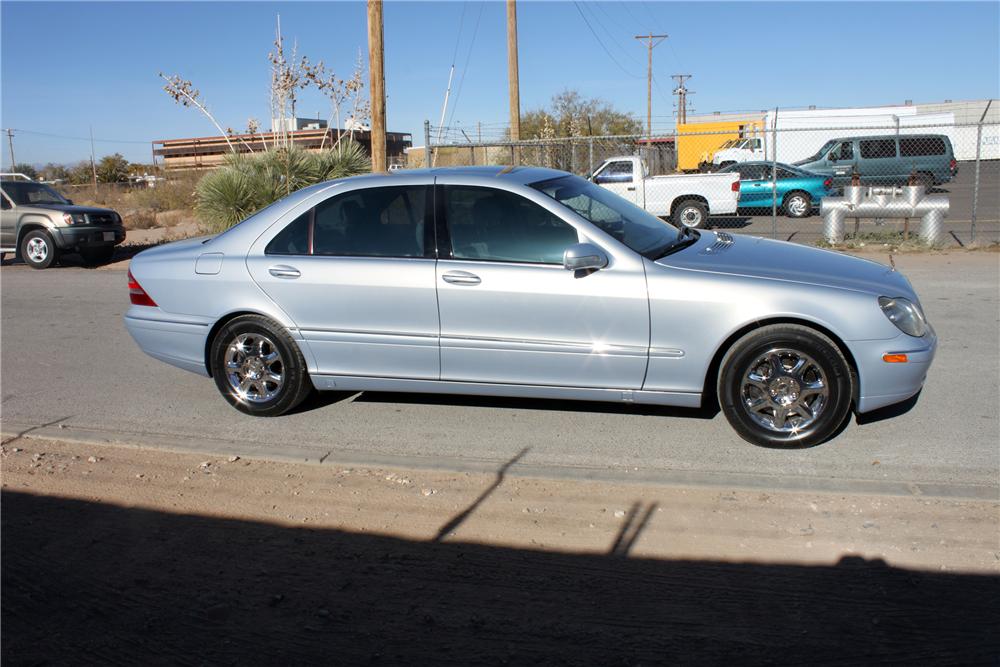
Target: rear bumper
[
  {"x": 178, "y": 342},
  {"x": 87, "y": 236},
  {"x": 882, "y": 383}
]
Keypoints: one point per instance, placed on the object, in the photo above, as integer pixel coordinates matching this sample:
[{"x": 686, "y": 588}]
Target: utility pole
[
  {"x": 93, "y": 160},
  {"x": 512, "y": 79},
  {"x": 649, "y": 78},
  {"x": 376, "y": 83},
  {"x": 10, "y": 143},
  {"x": 681, "y": 92}
]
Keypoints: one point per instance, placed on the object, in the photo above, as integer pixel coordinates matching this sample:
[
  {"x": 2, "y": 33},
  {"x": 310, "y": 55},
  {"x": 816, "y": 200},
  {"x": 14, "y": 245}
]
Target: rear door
[
  {"x": 8, "y": 222},
  {"x": 510, "y": 312},
  {"x": 879, "y": 163},
  {"x": 356, "y": 275}
]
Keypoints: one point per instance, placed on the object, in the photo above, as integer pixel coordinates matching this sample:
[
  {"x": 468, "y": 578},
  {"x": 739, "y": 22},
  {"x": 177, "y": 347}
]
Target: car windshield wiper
[{"x": 685, "y": 237}]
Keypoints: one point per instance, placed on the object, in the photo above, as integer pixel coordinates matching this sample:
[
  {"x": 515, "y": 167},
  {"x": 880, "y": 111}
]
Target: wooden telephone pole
[
  {"x": 649, "y": 78},
  {"x": 376, "y": 84},
  {"x": 515, "y": 95}
]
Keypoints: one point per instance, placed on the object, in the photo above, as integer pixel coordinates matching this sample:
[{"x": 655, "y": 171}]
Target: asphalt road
[
  {"x": 959, "y": 221},
  {"x": 68, "y": 362}
]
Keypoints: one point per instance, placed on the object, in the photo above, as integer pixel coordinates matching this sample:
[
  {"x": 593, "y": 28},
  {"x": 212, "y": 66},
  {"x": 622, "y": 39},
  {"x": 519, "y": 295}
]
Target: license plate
[{"x": 109, "y": 236}]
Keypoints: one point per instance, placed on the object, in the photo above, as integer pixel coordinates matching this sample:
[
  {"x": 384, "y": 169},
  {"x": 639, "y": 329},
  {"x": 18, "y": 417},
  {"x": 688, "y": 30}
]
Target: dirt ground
[{"x": 121, "y": 555}]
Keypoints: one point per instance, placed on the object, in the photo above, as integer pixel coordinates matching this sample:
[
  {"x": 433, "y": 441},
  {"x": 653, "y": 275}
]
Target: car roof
[{"x": 509, "y": 174}]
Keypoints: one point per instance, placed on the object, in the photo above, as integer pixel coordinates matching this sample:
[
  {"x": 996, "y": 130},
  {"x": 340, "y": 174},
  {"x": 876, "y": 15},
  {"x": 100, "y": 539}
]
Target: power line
[
  {"x": 465, "y": 67},
  {"x": 63, "y": 136},
  {"x": 597, "y": 37}
]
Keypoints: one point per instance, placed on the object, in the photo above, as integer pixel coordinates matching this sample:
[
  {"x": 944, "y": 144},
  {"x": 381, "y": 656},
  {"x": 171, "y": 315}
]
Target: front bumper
[
  {"x": 87, "y": 236},
  {"x": 883, "y": 383}
]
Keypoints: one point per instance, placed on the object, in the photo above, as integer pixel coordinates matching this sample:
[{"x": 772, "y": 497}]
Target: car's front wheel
[
  {"x": 785, "y": 386},
  {"x": 258, "y": 368},
  {"x": 37, "y": 249}
]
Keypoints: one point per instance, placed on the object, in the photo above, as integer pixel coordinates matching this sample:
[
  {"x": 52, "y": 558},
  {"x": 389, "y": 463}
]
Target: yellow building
[{"x": 698, "y": 141}]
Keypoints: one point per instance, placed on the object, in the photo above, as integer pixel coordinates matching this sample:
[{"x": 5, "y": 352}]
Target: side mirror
[
  {"x": 69, "y": 201},
  {"x": 831, "y": 157},
  {"x": 584, "y": 257}
]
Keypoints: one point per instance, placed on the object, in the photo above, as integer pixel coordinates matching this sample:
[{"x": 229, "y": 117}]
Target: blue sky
[{"x": 69, "y": 66}]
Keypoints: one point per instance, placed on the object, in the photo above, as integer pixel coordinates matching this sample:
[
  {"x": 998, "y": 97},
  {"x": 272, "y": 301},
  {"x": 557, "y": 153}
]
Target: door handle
[
  {"x": 461, "y": 278},
  {"x": 631, "y": 188},
  {"x": 284, "y": 271}
]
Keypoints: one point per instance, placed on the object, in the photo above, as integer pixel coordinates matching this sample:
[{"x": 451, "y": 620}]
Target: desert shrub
[
  {"x": 246, "y": 183},
  {"x": 139, "y": 219}
]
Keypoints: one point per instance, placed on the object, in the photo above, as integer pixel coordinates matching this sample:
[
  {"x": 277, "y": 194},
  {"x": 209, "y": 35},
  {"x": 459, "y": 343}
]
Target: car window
[
  {"x": 615, "y": 172},
  {"x": 914, "y": 146},
  {"x": 751, "y": 172},
  {"x": 845, "y": 151},
  {"x": 878, "y": 148},
  {"x": 26, "y": 194},
  {"x": 372, "y": 222},
  {"x": 5, "y": 203},
  {"x": 784, "y": 173},
  {"x": 501, "y": 226}
]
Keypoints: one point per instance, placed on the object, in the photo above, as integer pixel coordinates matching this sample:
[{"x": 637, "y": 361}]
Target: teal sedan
[{"x": 797, "y": 191}]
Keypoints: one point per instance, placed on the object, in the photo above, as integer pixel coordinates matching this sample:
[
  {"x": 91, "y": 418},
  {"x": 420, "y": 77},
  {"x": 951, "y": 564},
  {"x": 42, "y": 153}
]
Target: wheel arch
[
  {"x": 223, "y": 321},
  {"x": 681, "y": 199},
  {"x": 710, "y": 387},
  {"x": 29, "y": 225}
]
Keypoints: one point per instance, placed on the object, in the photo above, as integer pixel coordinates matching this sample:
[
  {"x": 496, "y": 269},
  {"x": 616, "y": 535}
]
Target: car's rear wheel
[
  {"x": 797, "y": 205},
  {"x": 97, "y": 256},
  {"x": 924, "y": 179},
  {"x": 785, "y": 386},
  {"x": 38, "y": 250},
  {"x": 258, "y": 368},
  {"x": 690, "y": 213}
]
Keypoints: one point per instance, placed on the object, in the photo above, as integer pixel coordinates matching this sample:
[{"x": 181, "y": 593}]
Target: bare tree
[
  {"x": 185, "y": 94},
  {"x": 286, "y": 79},
  {"x": 332, "y": 87}
]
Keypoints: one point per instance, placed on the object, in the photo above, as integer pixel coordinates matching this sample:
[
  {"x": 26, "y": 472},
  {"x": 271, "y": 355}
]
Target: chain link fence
[{"x": 785, "y": 174}]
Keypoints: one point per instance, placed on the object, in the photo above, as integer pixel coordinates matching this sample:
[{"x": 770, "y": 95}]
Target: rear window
[
  {"x": 878, "y": 148},
  {"x": 915, "y": 146}
]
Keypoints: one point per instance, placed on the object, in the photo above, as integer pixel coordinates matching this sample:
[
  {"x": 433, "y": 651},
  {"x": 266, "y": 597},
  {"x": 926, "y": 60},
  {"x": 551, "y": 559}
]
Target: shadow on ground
[{"x": 93, "y": 583}]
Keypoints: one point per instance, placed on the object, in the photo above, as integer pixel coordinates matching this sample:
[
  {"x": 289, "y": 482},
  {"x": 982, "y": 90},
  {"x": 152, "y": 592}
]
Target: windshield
[
  {"x": 626, "y": 222},
  {"x": 27, "y": 194},
  {"x": 820, "y": 153}
]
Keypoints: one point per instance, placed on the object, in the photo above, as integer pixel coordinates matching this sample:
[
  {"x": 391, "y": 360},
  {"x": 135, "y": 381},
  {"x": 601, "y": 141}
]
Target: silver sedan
[{"x": 533, "y": 283}]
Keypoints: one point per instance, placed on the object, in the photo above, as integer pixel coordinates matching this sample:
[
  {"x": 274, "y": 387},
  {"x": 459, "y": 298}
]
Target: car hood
[
  {"x": 779, "y": 260},
  {"x": 72, "y": 208}
]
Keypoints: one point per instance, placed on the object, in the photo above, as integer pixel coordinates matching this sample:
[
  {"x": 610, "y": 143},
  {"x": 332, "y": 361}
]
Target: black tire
[
  {"x": 38, "y": 250},
  {"x": 690, "y": 213},
  {"x": 747, "y": 378},
  {"x": 290, "y": 366},
  {"x": 797, "y": 204},
  {"x": 97, "y": 256},
  {"x": 723, "y": 165}
]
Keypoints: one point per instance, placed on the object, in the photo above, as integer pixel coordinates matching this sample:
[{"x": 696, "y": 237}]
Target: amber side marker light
[{"x": 894, "y": 358}]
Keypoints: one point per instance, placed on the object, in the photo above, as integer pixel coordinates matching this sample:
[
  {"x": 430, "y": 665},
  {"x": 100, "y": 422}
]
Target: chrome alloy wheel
[
  {"x": 37, "y": 249},
  {"x": 691, "y": 216},
  {"x": 254, "y": 368},
  {"x": 784, "y": 391},
  {"x": 797, "y": 206}
]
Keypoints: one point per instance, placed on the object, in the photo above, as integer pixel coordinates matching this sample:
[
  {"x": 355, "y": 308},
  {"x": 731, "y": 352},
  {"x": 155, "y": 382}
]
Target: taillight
[
  {"x": 736, "y": 185},
  {"x": 953, "y": 164},
  {"x": 828, "y": 183},
  {"x": 138, "y": 295}
]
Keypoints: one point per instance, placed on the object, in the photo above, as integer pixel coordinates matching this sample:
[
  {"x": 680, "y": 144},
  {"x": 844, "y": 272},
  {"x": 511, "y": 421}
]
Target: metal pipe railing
[{"x": 909, "y": 201}]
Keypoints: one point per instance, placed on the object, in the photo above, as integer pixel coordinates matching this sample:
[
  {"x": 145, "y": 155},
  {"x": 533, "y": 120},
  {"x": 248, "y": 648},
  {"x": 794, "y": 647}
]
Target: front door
[
  {"x": 617, "y": 176},
  {"x": 510, "y": 312},
  {"x": 755, "y": 185},
  {"x": 356, "y": 275}
]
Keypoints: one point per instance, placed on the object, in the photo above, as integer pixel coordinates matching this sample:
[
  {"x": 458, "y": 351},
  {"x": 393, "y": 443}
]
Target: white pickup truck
[{"x": 685, "y": 199}]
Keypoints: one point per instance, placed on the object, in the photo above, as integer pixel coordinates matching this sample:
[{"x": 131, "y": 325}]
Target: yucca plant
[{"x": 247, "y": 183}]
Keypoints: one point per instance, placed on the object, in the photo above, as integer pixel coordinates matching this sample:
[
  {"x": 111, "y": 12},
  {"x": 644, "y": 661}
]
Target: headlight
[
  {"x": 74, "y": 218},
  {"x": 904, "y": 314}
]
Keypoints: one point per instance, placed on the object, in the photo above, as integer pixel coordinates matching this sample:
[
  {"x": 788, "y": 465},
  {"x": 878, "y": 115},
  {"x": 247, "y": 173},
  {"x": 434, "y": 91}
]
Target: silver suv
[{"x": 38, "y": 224}]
